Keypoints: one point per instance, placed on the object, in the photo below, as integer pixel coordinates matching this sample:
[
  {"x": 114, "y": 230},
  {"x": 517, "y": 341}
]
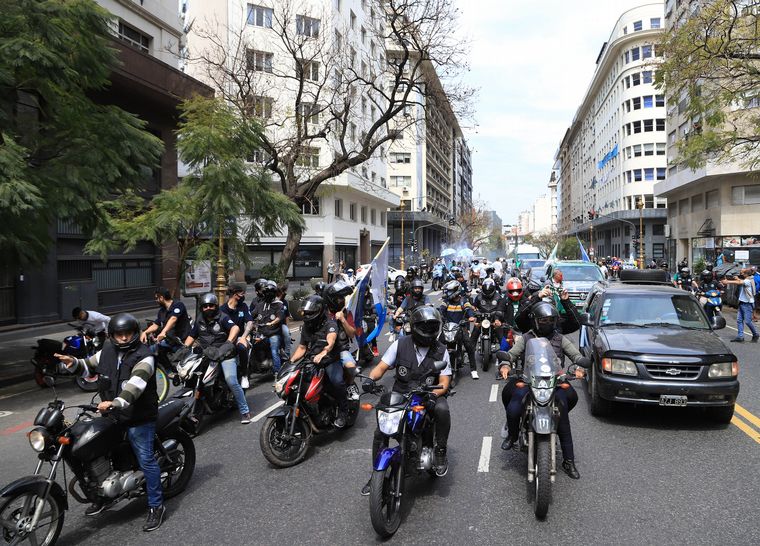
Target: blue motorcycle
[
  {"x": 80, "y": 345},
  {"x": 402, "y": 417},
  {"x": 713, "y": 303}
]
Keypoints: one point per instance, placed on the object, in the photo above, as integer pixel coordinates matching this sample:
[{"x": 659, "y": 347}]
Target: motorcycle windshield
[{"x": 541, "y": 362}]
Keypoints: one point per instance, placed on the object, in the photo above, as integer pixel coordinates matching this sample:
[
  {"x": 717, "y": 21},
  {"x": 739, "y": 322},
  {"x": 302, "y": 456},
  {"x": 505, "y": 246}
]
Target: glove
[
  {"x": 179, "y": 355},
  {"x": 226, "y": 349},
  {"x": 212, "y": 353},
  {"x": 430, "y": 403},
  {"x": 368, "y": 385},
  {"x": 583, "y": 362}
]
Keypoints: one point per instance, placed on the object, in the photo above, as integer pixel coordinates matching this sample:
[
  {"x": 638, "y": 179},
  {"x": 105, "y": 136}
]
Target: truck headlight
[
  {"x": 723, "y": 369},
  {"x": 619, "y": 366}
]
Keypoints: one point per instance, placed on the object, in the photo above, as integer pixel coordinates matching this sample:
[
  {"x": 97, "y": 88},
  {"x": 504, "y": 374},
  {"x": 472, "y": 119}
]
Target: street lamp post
[
  {"x": 401, "y": 259},
  {"x": 640, "y": 206},
  {"x": 221, "y": 288}
]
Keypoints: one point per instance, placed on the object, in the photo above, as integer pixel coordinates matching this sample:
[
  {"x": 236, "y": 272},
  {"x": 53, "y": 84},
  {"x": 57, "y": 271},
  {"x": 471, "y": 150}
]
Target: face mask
[{"x": 241, "y": 298}]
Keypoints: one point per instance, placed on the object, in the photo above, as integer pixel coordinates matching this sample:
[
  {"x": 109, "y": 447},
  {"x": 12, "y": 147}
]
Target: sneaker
[
  {"x": 340, "y": 420},
  {"x": 569, "y": 467},
  {"x": 244, "y": 382},
  {"x": 755, "y": 338},
  {"x": 375, "y": 352},
  {"x": 95, "y": 508},
  {"x": 246, "y": 419},
  {"x": 508, "y": 444},
  {"x": 366, "y": 489},
  {"x": 738, "y": 340},
  {"x": 440, "y": 462},
  {"x": 474, "y": 374},
  {"x": 504, "y": 431},
  {"x": 155, "y": 518}
]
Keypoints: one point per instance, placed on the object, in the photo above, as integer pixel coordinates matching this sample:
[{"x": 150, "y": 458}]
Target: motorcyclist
[
  {"x": 257, "y": 286},
  {"x": 456, "y": 309},
  {"x": 707, "y": 282},
  {"x": 131, "y": 393},
  {"x": 319, "y": 287},
  {"x": 400, "y": 291},
  {"x": 683, "y": 278},
  {"x": 236, "y": 308},
  {"x": 334, "y": 296},
  {"x": 413, "y": 358},
  {"x": 92, "y": 321},
  {"x": 414, "y": 299},
  {"x": 489, "y": 301},
  {"x": 439, "y": 269},
  {"x": 268, "y": 315},
  {"x": 216, "y": 333},
  {"x": 319, "y": 342},
  {"x": 172, "y": 319},
  {"x": 459, "y": 277},
  {"x": 544, "y": 324}
]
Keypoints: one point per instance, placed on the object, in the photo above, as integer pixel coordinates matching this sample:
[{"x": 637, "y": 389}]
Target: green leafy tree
[
  {"x": 61, "y": 153},
  {"x": 711, "y": 68},
  {"x": 220, "y": 195},
  {"x": 569, "y": 249},
  {"x": 544, "y": 242}
]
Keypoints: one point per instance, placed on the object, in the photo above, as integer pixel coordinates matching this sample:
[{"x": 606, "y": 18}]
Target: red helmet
[{"x": 514, "y": 289}]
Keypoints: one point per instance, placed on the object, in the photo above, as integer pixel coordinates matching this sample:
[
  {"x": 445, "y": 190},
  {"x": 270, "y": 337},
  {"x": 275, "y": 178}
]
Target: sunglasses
[{"x": 208, "y": 306}]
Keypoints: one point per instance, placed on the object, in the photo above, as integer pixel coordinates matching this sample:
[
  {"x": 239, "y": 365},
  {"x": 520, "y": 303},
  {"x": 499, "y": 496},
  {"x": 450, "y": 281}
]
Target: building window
[
  {"x": 660, "y": 148},
  {"x": 363, "y": 35},
  {"x": 311, "y": 207},
  {"x": 260, "y": 107},
  {"x": 712, "y": 199},
  {"x": 401, "y": 181},
  {"x": 308, "y": 112},
  {"x": 648, "y": 174},
  {"x": 683, "y": 206},
  {"x": 658, "y": 229},
  {"x": 134, "y": 37},
  {"x": 672, "y": 138},
  {"x": 636, "y": 101},
  {"x": 654, "y": 22},
  {"x": 648, "y": 149},
  {"x": 352, "y": 18},
  {"x": 637, "y": 150},
  {"x": 352, "y": 212},
  {"x": 372, "y": 216},
  {"x": 122, "y": 274},
  {"x": 309, "y": 157},
  {"x": 637, "y": 175},
  {"x": 401, "y": 157},
  {"x": 382, "y": 219},
  {"x": 308, "y": 70},
  {"x": 636, "y": 127},
  {"x": 637, "y": 25},
  {"x": 627, "y": 82},
  {"x": 627, "y": 57},
  {"x": 307, "y": 26},
  {"x": 648, "y": 125},
  {"x": 697, "y": 203},
  {"x": 365, "y": 173},
  {"x": 373, "y": 177},
  {"x": 660, "y": 173},
  {"x": 660, "y": 124},
  {"x": 648, "y": 101},
  {"x": 339, "y": 208},
  {"x": 635, "y": 54},
  {"x": 646, "y": 76},
  {"x": 659, "y": 100},
  {"x": 635, "y": 79},
  {"x": 646, "y": 52},
  {"x": 259, "y": 61},
  {"x": 259, "y": 16},
  {"x": 363, "y": 214},
  {"x": 382, "y": 182},
  {"x": 745, "y": 195}
]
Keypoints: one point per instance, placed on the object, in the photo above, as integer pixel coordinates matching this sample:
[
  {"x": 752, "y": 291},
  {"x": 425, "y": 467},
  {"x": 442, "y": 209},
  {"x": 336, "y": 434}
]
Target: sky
[{"x": 532, "y": 62}]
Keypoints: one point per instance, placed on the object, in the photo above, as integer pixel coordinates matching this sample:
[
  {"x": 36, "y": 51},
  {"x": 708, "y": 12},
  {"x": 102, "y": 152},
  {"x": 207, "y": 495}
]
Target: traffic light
[{"x": 636, "y": 244}]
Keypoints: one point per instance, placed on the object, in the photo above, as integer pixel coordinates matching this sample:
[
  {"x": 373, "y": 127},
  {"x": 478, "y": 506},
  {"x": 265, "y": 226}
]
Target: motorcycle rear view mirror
[
  {"x": 440, "y": 365},
  {"x": 718, "y": 322},
  {"x": 49, "y": 381}
]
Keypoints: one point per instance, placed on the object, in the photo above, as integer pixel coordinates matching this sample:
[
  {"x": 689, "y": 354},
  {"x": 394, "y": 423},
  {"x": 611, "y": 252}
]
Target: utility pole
[
  {"x": 640, "y": 206},
  {"x": 401, "y": 261},
  {"x": 221, "y": 288}
]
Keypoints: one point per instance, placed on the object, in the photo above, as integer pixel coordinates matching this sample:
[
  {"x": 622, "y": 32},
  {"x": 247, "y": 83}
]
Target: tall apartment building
[
  {"x": 429, "y": 168},
  {"x": 713, "y": 208},
  {"x": 541, "y": 215},
  {"x": 347, "y": 221},
  {"x": 614, "y": 151},
  {"x": 147, "y": 35},
  {"x": 553, "y": 204}
]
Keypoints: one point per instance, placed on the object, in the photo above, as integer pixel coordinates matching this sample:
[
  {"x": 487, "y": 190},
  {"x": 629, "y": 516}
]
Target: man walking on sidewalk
[{"x": 746, "y": 282}]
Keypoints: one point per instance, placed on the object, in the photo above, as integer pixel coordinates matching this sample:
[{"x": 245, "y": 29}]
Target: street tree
[
  {"x": 710, "y": 67},
  {"x": 61, "y": 153},
  {"x": 569, "y": 249},
  {"x": 328, "y": 103},
  {"x": 472, "y": 226},
  {"x": 544, "y": 242},
  {"x": 220, "y": 195}
]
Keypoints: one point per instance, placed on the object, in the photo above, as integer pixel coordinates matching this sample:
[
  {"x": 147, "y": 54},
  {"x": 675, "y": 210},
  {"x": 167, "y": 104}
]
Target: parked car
[
  {"x": 652, "y": 344},
  {"x": 578, "y": 278},
  {"x": 362, "y": 270}
]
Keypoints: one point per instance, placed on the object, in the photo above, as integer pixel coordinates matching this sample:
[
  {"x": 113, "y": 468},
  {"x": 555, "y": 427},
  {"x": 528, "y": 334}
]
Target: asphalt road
[{"x": 648, "y": 476}]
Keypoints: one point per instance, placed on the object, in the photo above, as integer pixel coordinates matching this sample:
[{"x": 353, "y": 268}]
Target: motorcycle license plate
[{"x": 673, "y": 400}]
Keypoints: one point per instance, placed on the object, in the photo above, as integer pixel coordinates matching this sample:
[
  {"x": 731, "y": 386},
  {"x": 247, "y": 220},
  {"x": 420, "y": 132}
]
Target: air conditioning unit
[{"x": 667, "y": 230}]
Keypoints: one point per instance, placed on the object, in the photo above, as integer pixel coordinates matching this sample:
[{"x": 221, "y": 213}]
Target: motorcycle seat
[{"x": 168, "y": 411}]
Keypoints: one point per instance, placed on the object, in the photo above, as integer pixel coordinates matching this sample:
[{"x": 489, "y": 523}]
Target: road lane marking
[
  {"x": 5, "y": 413},
  {"x": 749, "y": 416},
  {"x": 746, "y": 429},
  {"x": 485, "y": 454},
  {"x": 18, "y": 393},
  {"x": 12, "y": 430},
  {"x": 266, "y": 412},
  {"x": 494, "y": 392}
]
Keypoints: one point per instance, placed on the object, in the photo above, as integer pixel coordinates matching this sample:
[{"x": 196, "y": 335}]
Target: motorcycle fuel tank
[{"x": 94, "y": 438}]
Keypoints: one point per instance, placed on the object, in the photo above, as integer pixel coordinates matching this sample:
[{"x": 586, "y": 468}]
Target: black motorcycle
[
  {"x": 259, "y": 353},
  {"x": 452, "y": 335},
  {"x": 105, "y": 469},
  {"x": 488, "y": 343},
  {"x": 81, "y": 345}
]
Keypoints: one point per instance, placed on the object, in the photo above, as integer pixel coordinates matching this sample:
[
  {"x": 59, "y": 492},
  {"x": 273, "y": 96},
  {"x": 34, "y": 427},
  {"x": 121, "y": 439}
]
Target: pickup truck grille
[{"x": 669, "y": 371}]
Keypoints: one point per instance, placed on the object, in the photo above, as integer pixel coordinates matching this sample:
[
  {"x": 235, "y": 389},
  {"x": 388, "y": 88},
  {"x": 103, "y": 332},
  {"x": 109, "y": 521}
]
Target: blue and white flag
[
  {"x": 376, "y": 281},
  {"x": 584, "y": 254}
]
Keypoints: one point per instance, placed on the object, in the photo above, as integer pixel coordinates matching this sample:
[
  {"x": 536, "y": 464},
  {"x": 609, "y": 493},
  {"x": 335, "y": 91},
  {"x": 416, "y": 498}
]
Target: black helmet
[
  {"x": 545, "y": 317},
  {"x": 335, "y": 294},
  {"x": 124, "y": 322},
  {"x": 489, "y": 288},
  {"x": 258, "y": 285},
  {"x": 313, "y": 311},
  {"x": 319, "y": 287},
  {"x": 452, "y": 289},
  {"x": 425, "y": 323},
  {"x": 418, "y": 287},
  {"x": 399, "y": 282},
  {"x": 706, "y": 276},
  {"x": 209, "y": 299},
  {"x": 269, "y": 291},
  {"x": 411, "y": 272}
]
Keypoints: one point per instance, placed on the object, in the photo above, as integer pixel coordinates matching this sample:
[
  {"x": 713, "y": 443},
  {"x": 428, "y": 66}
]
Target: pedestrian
[
  {"x": 330, "y": 271},
  {"x": 341, "y": 268},
  {"x": 96, "y": 323},
  {"x": 746, "y": 281}
]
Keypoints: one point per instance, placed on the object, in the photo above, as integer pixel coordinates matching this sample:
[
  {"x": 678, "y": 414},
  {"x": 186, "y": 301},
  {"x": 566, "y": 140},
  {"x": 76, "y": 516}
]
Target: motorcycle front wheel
[
  {"x": 162, "y": 384},
  {"x": 385, "y": 498},
  {"x": 18, "y": 509},
  {"x": 281, "y": 449},
  {"x": 542, "y": 478},
  {"x": 178, "y": 463}
]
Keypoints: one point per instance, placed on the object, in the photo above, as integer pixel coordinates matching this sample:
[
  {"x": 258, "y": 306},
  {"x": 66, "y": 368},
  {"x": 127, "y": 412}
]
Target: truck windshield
[
  {"x": 580, "y": 272},
  {"x": 662, "y": 310}
]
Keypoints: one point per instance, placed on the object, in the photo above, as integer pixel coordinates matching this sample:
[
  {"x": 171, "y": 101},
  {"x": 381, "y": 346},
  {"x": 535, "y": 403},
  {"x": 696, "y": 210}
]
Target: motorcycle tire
[
  {"x": 21, "y": 506},
  {"x": 273, "y": 446},
  {"x": 485, "y": 354},
  {"x": 542, "y": 477},
  {"x": 162, "y": 384},
  {"x": 384, "y": 506},
  {"x": 175, "y": 482},
  {"x": 85, "y": 385}
]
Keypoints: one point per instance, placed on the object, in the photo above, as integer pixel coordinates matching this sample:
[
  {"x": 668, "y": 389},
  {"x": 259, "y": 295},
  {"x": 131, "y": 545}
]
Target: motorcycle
[
  {"x": 399, "y": 324},
  {"x": 286, "y": 435},
  {"x": 162, "y": 359},
  {"x": 203, "y": 380},
  {"x": 713, "y": 303},
  {"x": 259, "y": 353},
  {"x": 405, "y": 419},
  {"x": 105, "y": 469},
  {"x": 542, "y": 372},
  {"x": 488, "y": 343},
  {"x": 455, "y": 346},
  {"x": 81, "y": 345}
]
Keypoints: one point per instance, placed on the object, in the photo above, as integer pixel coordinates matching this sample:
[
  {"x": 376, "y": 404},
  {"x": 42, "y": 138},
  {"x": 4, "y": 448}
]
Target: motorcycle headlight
[
  {"x": 723, "y": 369},
  {"x": 542, "y": 395},
  {"x": 486, "y": 323},
  {"x": 389, "y": 421},
  {"x": 40, "y": 439}
]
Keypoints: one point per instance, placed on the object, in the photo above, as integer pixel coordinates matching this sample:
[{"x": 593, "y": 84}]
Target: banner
[
  {"x": 197, "y": 277},
  {"x": 376, "y": 282},
  {"x": 584, "y": 255}
]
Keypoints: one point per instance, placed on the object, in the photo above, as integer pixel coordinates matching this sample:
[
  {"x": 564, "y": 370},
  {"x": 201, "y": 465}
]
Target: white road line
[
  {"x": 494, "y": 392},
  {"x": 18, "y": 393},
  {"x": 5, "y": 413},
  {"x": 485, "y": 454},
  {"x": 266, "y": 412}
]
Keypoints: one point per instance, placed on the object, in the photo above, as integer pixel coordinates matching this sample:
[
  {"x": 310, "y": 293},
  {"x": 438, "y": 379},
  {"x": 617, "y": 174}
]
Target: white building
[
  {"x": 347, "y": 220},
  {"x": 542, "y": 215},
  {"x": 614, "y": 152},
  {"x": 553, "y": 205}
]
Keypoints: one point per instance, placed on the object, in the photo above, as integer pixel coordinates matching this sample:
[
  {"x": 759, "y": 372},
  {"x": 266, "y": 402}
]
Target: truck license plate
[{"x": 672, "y": 400}]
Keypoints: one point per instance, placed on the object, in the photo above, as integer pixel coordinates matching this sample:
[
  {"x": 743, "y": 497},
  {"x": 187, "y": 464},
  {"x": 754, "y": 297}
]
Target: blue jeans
[
  {"x": 347, "y": 359},
  {"x": 744, "y": 315},
  {"x": 286, "y": 343},
  {"x": 229, "y": 368},
  {"x": 337, "y": 386},
  {"x": 141, "y": 439},
  {"x": 274, "y": 346}
]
